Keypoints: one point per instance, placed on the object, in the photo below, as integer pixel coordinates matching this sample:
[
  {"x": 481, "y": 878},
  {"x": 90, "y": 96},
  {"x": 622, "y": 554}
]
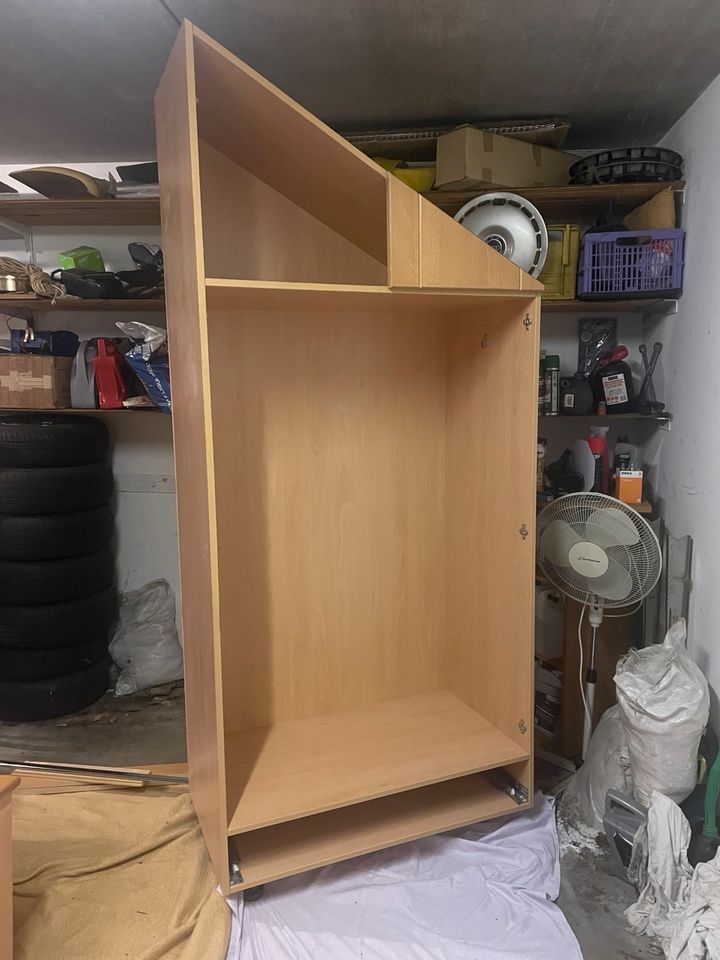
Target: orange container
[{"x": 629, "y": 486}]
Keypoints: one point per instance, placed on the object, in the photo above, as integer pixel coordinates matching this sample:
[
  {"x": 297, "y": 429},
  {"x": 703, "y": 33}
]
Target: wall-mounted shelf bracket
[{"x": 21, "y": 231}]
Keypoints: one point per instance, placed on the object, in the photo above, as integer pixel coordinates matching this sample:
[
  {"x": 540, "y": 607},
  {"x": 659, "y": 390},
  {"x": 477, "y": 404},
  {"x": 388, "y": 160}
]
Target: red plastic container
[{"x": 109, "y": 378}]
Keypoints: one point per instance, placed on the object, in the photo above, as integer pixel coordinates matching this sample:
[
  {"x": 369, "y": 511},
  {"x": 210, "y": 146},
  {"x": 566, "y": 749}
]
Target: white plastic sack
[
  {"x": 606, "y": 767},
  {"x": 679, "y": 906},
  {"x": 145, "y": 646},
  {"x": 664, "y": 703}
]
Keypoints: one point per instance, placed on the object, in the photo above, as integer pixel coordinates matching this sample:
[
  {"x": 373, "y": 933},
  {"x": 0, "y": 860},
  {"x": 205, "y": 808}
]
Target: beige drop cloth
[{"x": 114, "y": 875}]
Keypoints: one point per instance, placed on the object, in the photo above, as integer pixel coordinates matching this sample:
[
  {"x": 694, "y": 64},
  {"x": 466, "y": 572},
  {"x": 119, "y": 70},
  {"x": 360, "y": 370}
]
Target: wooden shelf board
[
  {"x": 137, "y": 211},
  {"x": 610, "y": 418},
  {"x": 291, "y": 848},
  {"x": 80, "y": 411},
  {"x": 40, "y": 212},
  {"x": 600, "y": 306},
  {"x": 304, "y": 767},
  {"x": 67, "y": 304},
  {"x": 269, "y": 295},
  {"x": 564, "y": 204}
]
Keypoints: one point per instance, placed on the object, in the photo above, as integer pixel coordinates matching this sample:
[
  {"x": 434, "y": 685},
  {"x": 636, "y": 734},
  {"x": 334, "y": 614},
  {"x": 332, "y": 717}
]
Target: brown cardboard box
[
  {"x": 34, "y": 382},
  {"x": 469, "y": 158}
]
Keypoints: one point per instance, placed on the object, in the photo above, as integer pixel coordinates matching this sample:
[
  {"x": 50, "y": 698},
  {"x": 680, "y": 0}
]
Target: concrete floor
[
  {"x": 149, "y": 727},
  {"x": 146, "y": 727}
]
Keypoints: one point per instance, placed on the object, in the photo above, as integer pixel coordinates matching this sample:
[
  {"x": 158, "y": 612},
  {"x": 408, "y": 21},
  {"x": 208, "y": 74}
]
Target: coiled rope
[{"x": 41, "y": 282}]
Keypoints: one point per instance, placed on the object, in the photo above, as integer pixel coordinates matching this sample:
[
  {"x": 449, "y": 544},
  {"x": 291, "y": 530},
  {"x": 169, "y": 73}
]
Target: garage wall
[
  {"x": 146, "y": 537},
  {"x": 688, "y": 471}
]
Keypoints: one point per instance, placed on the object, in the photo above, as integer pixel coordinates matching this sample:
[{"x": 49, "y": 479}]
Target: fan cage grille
[{"x": 641, "y": 560}]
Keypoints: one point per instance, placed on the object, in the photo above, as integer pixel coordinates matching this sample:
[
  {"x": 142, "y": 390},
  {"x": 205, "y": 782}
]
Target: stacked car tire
[{"x": 57, "y": 601}]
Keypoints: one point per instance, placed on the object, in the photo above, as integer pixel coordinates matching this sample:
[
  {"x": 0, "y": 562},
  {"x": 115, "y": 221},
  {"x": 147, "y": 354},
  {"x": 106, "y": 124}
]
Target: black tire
[
  {"x": 52, "y": 581},
  {"x": 30, "y": 492},
  {"x": 51, "y": 440},
  {"x": 41, "y": 664},
  {"x": 24, "y": 700},
  {"x": 52, "y": 536},
  {"x": 57, "y": 624}
]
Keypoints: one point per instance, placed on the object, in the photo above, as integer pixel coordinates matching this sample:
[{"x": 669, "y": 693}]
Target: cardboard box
[
  {"x": 34, "y": 382},
  {"x": 629, "y": 486},
  {"x": 468, "y": 158}
]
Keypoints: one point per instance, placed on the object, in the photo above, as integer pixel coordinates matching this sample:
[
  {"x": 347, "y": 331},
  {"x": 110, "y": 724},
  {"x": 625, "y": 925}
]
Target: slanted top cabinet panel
[{"x": 351, "y": 372}]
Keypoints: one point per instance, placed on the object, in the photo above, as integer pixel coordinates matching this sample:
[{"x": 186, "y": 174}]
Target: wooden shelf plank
[
  {"x": 610, "y": 418},
  {"x": 292, "y": 848},
  {"x": 557, "y": 202},
  {"x": 34, "y": 211},
  {"x": 273, "y": 294},
  {"x": 601, "y": 306},
  {"x": 565, "y": 204},
  {"x": 67, "y": 304},
  {"x": 303, "y": 767},
  {"x": 80, "y": 411}
]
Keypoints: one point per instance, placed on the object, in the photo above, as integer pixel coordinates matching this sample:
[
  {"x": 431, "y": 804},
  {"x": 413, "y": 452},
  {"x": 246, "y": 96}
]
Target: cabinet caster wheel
[{"x": 253, "y": 893}]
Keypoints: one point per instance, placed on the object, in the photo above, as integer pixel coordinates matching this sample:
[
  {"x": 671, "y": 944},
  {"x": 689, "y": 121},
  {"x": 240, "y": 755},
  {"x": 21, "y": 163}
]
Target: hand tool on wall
[{"x": 647, "y": 400}]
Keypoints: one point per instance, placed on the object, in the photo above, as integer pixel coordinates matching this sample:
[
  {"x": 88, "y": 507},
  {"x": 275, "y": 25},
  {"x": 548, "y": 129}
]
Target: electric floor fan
[{"x": 602, "y": 553}]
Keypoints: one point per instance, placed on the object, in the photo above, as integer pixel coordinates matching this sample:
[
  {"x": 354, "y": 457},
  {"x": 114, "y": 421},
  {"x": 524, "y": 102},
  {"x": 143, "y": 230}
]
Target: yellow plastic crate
[{"x": 560, "y": 271}]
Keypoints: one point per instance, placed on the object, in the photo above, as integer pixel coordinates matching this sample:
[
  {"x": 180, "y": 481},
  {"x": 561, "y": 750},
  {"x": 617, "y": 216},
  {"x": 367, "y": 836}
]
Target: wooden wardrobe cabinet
[{"x": 354, "y": 407}]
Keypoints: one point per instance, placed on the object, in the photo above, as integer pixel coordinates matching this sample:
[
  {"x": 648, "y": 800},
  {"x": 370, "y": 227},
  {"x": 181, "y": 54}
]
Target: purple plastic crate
[{"x": 630, "y": 264}]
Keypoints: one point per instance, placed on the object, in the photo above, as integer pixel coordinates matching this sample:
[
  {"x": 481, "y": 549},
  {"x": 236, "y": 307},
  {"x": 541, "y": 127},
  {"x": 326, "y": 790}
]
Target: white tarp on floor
[{"x": 483, "y": 893}]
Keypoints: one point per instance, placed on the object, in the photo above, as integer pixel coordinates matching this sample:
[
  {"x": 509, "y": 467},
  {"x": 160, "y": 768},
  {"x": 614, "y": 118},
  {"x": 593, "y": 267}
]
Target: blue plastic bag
[{"x": 149, "y": 360}]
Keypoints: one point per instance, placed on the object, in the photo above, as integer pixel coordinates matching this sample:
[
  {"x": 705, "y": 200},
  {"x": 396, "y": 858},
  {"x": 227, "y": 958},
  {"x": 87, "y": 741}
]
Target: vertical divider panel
[
  {"x": 177, "y": 142},
  {"x": 492, "y": 422}
]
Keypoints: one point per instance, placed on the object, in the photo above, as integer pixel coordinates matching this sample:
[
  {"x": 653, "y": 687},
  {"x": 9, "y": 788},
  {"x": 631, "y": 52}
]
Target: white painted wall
[
  {"x": 146, "y": 528},
  {"x": 688, "y": 471}
]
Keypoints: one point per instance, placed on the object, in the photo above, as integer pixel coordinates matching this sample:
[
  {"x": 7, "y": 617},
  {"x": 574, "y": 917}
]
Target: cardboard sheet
[{"x": 112, "y": 875}]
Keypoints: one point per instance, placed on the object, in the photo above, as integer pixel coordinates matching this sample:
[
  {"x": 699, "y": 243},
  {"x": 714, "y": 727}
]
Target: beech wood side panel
[
  {"x": 187, "y": 332},
  {"x": 262, "y": 129},
  {"x": 403, "y": 235},
  {"x": 252, "y": 231},
  {"x": 492, "y": 419},
  {"x": 7, "y": 785},
  {"x": 330, "y": 446}
]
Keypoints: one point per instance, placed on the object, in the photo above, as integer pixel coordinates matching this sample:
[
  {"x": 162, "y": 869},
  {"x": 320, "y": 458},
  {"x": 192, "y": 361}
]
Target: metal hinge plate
[
  {"x": 512, "y": 787},
  {"x": 234, "y": 860}
]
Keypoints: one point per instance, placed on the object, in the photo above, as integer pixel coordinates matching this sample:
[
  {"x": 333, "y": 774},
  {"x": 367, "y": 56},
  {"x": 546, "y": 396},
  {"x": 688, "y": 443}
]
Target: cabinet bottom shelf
[
  {"x": 287, "y": 849},
  {"x": 304, "y": 767}
]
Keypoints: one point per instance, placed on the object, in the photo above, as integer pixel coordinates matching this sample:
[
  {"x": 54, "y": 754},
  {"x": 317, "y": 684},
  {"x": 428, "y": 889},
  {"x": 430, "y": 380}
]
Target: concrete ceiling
[{"x": 79, "y": 75}]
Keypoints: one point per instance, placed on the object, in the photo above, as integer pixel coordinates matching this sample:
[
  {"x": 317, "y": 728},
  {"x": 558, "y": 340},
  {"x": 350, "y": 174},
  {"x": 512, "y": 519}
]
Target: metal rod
[{"x": 101, "y": 773}]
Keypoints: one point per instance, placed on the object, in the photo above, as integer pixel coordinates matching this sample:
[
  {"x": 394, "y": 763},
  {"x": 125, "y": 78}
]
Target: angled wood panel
[
  {"x": 258, "y": 126},
  {"x": 188, "y": 342},
  {"x": 250, "y": 230}
]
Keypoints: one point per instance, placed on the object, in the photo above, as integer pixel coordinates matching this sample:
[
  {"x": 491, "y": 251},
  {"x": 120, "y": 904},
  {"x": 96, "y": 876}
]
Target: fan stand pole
[{"x": 591, "y": 678}]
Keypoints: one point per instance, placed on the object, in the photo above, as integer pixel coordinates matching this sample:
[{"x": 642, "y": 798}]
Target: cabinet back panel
[
  {"x": 252, "y": 232},
  {"x": 330, "y": 487}
]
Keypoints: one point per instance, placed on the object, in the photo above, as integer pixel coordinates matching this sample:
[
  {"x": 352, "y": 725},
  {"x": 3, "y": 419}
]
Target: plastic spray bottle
[{"x": 597, "y": 441}]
